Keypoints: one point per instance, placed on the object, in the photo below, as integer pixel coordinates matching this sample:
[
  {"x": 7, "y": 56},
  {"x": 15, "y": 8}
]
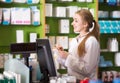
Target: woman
[{"x": 83, "y": 56}]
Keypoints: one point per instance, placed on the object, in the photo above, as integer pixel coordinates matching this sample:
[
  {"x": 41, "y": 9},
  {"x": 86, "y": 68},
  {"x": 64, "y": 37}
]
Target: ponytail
[{"x": 93, "y": 32}]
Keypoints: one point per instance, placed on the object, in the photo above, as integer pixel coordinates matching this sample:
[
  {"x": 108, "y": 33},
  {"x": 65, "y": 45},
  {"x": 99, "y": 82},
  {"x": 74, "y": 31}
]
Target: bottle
[
  {"x": 109, "y": 44},
  {"x": 114, "y": 45},
  {"x": 105, "y": 77},
  {"x": 111, "y": 77}
]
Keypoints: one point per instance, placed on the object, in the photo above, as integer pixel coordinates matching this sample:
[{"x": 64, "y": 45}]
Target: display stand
[{"x": 25, "y": 49}]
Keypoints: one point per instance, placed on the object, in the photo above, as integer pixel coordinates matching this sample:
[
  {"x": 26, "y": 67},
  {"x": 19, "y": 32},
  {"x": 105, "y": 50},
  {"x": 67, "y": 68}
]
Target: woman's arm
[{"x": 88, "y": 63}]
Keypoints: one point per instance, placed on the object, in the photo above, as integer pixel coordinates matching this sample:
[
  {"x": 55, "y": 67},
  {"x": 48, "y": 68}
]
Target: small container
[
  {"x": 117, "y": 59},
  {"x": 53, "y": 79}
]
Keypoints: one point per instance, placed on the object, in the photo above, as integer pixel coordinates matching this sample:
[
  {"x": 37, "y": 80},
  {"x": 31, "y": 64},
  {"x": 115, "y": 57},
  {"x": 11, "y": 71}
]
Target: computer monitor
[{"x": 45, "y": 59}]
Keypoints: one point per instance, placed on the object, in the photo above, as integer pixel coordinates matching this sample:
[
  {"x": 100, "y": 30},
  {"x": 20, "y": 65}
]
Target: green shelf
[
  {"x": 105, "y": 36},
  {"x": 8, "y": 32}
]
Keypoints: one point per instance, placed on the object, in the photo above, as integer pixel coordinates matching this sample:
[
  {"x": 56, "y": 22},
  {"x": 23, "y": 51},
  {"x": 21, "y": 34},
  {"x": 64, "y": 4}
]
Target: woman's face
[{"x": 78, "y": 23}]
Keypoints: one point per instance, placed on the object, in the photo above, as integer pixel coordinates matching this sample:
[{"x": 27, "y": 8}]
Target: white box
[
  {"x": 60, "y": 11},
  {"x": 19, "y": 36},
  {"x": 33, "y": 37},
  {"x": 19, "y": 1},
  {"x": 64, "y": 26},
  {"x": 49, "y": 10},
  {"x": 21, "y": 16},
  {"x": 81, "y": 0},
  {"x": 115, "y": 14},
  {"x": 71, "y": 10},
  {"x": 89, "y": 0}
]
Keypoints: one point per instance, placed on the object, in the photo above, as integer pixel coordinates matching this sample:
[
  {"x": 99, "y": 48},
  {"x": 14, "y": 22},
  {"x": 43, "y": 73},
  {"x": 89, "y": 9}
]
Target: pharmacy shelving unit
[
  {"x": 8, "y": 32},
  {"x": 104, "y": 36}
]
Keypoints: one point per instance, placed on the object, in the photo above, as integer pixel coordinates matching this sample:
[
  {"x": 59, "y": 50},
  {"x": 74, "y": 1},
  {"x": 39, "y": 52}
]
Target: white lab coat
[{"x": 85, "y": 66}]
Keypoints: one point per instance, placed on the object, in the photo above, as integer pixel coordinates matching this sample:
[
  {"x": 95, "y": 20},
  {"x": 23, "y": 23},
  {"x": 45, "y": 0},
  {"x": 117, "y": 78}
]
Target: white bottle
[
  {"x": 36, "y": 17},
  {"x": 114, "y": 45}
]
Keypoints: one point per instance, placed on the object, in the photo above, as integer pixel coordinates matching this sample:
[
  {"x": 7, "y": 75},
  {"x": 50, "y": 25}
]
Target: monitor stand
[
  {"x": 45, "y": 78},
  {"x": 26, "y": 58}
]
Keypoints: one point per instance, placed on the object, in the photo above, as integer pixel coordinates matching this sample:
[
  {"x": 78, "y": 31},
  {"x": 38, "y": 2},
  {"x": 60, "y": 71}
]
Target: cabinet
[
  {"x": 109, "y": 28},
  {"x": 8, "y": 32},
  {"x": 63, "y": 10}
]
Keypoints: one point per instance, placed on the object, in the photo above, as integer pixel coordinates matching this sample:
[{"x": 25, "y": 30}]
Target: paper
[{"x": 19, "y": 36}]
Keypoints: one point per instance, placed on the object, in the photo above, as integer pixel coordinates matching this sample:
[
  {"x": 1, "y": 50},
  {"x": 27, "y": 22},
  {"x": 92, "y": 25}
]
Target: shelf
[
  {"x": 69, "y": 2},
  {"x": 59, "y": 17},
  {"x": 16, "y": 25},
  {"x": 105, "y": 6},
  {"x": 109, "y": 19},
  {"x": 2, "y": 4},
  {"x": 109, "y": 68},
  {"x": 80, "y": 4},
  {"x": 106, "y": 50}
]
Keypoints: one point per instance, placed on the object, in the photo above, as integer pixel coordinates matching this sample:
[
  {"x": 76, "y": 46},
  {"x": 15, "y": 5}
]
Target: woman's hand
[
  {"x": 59, "y": 47},
  {"x": 63, "y": 54}
]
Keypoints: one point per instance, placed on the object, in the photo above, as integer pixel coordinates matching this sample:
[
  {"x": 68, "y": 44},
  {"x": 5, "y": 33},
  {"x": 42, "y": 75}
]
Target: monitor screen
[{"x": 45, "y": 59}]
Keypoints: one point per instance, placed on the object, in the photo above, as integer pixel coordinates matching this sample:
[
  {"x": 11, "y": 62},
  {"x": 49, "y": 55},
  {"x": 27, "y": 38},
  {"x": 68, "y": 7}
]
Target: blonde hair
[{"x": 87, "y": 17}]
